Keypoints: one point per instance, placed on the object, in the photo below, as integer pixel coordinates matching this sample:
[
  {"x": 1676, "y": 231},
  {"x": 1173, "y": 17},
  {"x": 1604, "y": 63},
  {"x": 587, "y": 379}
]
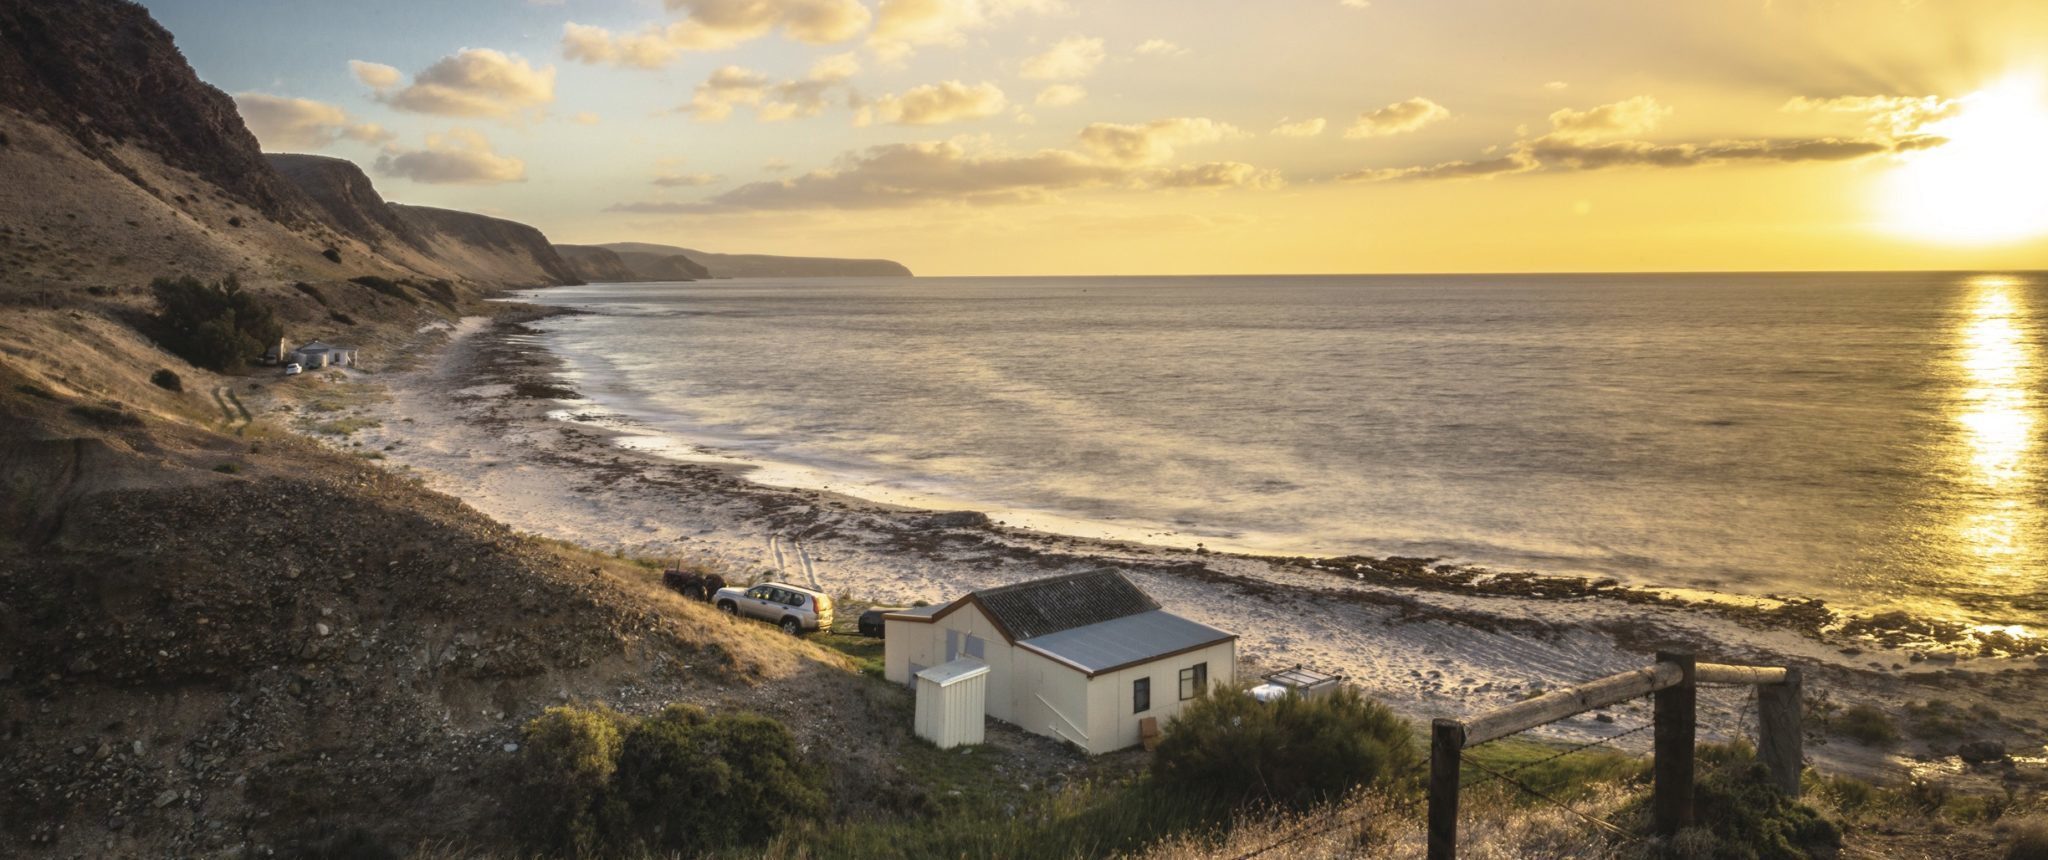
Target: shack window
[
  {"x": 1193, "y": 680},
  {"x": 1141, "y": 695},
  {"x": 975, "y": 648}
]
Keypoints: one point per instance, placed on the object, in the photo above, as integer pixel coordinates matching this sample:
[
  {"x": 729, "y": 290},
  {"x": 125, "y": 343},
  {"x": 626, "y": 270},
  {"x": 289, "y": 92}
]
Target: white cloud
[
  {"x": 1621, "y": 119},
  {"x": 475, "y": 82},
  {"x": 710, "y": 25},
  {"x": 1355, "y": 4},
  {"x": 684, "y": 180},
  {"x": 728, "y": 86},
  {"x": 1152, "y": 142},
  {"x": 934, "y": 104},
  {"x": 459, "y": 157},
  {"x": 584, "y": 118},
  {"x": 1306, "y": 128},
  {"x": 1060, "y": 95},
  {"x": 1214, "y": 175},
  {"x": 1398, "y": 118},
  {"x": 376, "y": 76},
  {"x": 1557, "y": 86},
  {"x": 1073, "y": 57},
  {"x": 902, "y": 26},
  {"x": 288, "y": 123},
  {"x": 1160, "y": 48},
  {"x": 1895, "y": 114}
]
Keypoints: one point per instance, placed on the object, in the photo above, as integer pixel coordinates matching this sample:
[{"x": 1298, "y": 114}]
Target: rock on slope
[
  {"x": 764, "y": 265},
  {"x": 597, "y": 265}
]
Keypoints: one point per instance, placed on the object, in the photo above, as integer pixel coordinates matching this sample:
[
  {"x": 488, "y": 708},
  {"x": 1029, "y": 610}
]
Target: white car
[
  {"x": 293, "y": 369},
  {"x": 795, "y": 610}
]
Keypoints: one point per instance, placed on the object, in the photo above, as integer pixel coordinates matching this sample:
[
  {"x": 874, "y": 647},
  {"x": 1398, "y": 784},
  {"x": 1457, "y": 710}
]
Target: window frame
[
  {"x": 1194, "y": 680},
  {"x": 1141, "y": 695}
]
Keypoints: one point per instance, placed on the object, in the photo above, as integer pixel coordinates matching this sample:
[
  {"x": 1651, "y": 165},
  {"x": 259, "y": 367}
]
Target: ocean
[{"x": 1873, "y": 440}]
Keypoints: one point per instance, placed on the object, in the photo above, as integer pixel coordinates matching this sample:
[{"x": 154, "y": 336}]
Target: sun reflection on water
[{"x": 1996, "y": 412}]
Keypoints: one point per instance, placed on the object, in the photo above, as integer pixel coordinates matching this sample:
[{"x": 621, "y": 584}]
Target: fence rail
[{"x": 1673, "y": 680}]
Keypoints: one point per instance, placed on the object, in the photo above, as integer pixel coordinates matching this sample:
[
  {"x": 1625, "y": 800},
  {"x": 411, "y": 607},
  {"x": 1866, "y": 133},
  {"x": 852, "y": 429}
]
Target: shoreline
[{"x": 481, "y": 419}]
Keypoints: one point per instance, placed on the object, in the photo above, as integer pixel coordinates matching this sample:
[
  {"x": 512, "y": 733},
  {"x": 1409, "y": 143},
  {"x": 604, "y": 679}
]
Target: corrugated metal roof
[
  {"x": 1046, "y": 606},
  {"x": 1123, "y": 641},
  {"x": 917, "y": 611},
  {"x": 947, "y": 674}
]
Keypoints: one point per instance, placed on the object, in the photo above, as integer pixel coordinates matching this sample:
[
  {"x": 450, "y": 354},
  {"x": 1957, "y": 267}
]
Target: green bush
[
  {"x": 566, "y": 760},
  {"x": 216, "y": 326},
  {"x": 333, "y": 255},
  {"x": 594, "y": 782},
  {"x": 1230, "y": 748},
  {"x": 1868, "y": 726},
  {"x": 166, "y": 380},
  {"x": 1738, "y": 814}
]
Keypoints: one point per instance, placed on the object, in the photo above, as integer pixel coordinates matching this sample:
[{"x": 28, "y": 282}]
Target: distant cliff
[
  {"x": 489, "y": 248},
  {"x": 596, "y": 265},
  {"x": 765, "y": 265}
]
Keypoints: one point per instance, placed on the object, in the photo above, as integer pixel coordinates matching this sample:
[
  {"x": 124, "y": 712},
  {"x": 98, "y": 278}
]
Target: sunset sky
[{"x": 1196, "y": 136}]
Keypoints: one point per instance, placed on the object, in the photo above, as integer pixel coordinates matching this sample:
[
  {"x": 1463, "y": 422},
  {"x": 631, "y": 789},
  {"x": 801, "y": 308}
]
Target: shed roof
[
  {"x": 1106, "y": 646},
  {"x": 1046, "y": 606},
  {"x": 948, "y": 674}
]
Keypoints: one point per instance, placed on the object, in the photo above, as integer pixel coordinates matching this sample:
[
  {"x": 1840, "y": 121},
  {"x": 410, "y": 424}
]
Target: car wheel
[
  {"x": 791, "y": 627},
  {"x": 728, "y": 607}
]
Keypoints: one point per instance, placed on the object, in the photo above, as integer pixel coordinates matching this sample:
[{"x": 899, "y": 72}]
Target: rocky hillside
[
  {"x": 763, "y": 265},
  {"x": 597, "y": 265},
  {"x": 493, "y": 249}
]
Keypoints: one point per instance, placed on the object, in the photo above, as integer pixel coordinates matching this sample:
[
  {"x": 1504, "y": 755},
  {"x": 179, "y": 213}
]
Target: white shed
[
  {"x": 952, "y": 703},
  {"x": 1086, "y": 658}
]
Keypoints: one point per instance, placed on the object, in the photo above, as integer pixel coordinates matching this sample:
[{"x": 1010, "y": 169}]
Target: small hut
[
  {"x": 952, "y": 703},
  {"x": 318, "y": 354}
]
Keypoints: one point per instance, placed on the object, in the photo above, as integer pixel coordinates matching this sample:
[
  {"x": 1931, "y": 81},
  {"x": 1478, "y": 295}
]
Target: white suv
[{"x": 795, "y": 610}]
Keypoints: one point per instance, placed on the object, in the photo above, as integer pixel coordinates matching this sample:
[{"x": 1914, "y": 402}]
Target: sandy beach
[{"x": 482, "y": 416}]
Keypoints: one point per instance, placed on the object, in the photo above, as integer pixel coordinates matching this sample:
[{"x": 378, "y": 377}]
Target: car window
[
  {"x": 760, "y": 592},
  {"x": 793, "y": 598}
]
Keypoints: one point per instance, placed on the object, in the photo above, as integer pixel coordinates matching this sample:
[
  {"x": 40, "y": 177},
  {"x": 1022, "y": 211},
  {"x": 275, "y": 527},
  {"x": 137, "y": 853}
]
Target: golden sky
[{"x": 1196, "y": 136}]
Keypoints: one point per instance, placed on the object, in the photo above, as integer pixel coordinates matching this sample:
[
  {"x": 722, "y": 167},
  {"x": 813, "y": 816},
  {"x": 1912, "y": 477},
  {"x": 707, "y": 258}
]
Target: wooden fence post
[
  {"x": 1778, "y": 740},
  {"x": 1671, "y": 793},
  {"x": 1446, "y": 747}
]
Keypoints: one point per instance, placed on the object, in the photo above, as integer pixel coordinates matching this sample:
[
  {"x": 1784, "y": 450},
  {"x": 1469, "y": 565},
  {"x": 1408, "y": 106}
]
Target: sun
[{"x": 1989, "y": 183}]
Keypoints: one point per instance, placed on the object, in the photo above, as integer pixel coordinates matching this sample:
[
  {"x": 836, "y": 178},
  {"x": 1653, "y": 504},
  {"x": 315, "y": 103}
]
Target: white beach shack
[
  {"x": 1087, "y": 658},
  {"x": 319, "y": 354}
]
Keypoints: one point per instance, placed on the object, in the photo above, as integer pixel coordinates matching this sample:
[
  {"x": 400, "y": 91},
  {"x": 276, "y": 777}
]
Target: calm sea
[{"x": 1871, "y": 439}]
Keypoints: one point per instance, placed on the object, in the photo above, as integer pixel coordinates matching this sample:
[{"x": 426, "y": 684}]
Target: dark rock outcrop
[
  {"x": 764, "y": 265},
  {"x": 105, "y": 73}
]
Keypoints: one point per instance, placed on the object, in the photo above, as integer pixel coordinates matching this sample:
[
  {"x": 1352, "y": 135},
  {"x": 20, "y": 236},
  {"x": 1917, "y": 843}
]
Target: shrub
[
  {"x": 566, "y": 759},
  {"x": 166, "y": 380},
  {"x": 235, "y": 221},
  {"x": 2029, "y": 839},
  {"x": 1739, "y": 815},
  {"x": 594, "y": 782},
  {"x": 387, "y": 287},
  {"x": 106, "y": 416},
  {"x": 687, "y": 781},
  {"x": 216, "y": 326},
  {"x": 228, "y": 468},
  {"x": 311, "y": 290},
  {"x": 1228, "y": 747},
  {"x": 333, "y": 255},
  {"x": 1868, "y": 726}
]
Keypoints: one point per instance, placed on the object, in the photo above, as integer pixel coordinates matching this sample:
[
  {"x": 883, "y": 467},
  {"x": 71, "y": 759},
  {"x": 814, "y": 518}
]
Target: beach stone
[
  {"x": 167, "y": 798},
  {"x": 1981, "y": 751}
]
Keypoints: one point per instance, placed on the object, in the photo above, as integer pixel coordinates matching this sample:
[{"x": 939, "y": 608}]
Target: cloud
[
  {"x": 1060, "y": 95},
  {"x": 584, "y": 118},
  {"x": 376, "y": 76},
  {"x": 902, "y": 175},
  {"x": 475, "y": 82},
  {"x": 934, "y": 104},
  {"x": 1355, "y": 4},
  {"x": 1159, "y": 48},
  {"x": 775, "y": 165},
  {"x": 1563, "y": 152},
  {"x": 1305, "y": 128},
  {"x": 288, "y": 123},
  {"x": 1899, "y": 115},
  {"x": 728, "y": 86},
  {"x": 1397, "y": 118},
  {"x": 1512, "y": 163},
  {"x": 1624, "y": 118},
  {"x": 902, "y": 26},
  {"x": 1152, "y": 142},
  {"x": 710, "y": 25},
  {"x": 1214, "y": 175},
  {"x": 684, "y": 180},
  {"x": 460, "y": 157},
  {"x": 910, "y": 174},
  {"x": 1072, "y": 58}
]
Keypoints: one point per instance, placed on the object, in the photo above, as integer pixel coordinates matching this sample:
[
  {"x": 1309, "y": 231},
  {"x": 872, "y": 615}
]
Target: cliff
[
  {"x": 487, "y": 248},
  {"x": 766, "y": 265},
  {"x": 596, "y": 265}
]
